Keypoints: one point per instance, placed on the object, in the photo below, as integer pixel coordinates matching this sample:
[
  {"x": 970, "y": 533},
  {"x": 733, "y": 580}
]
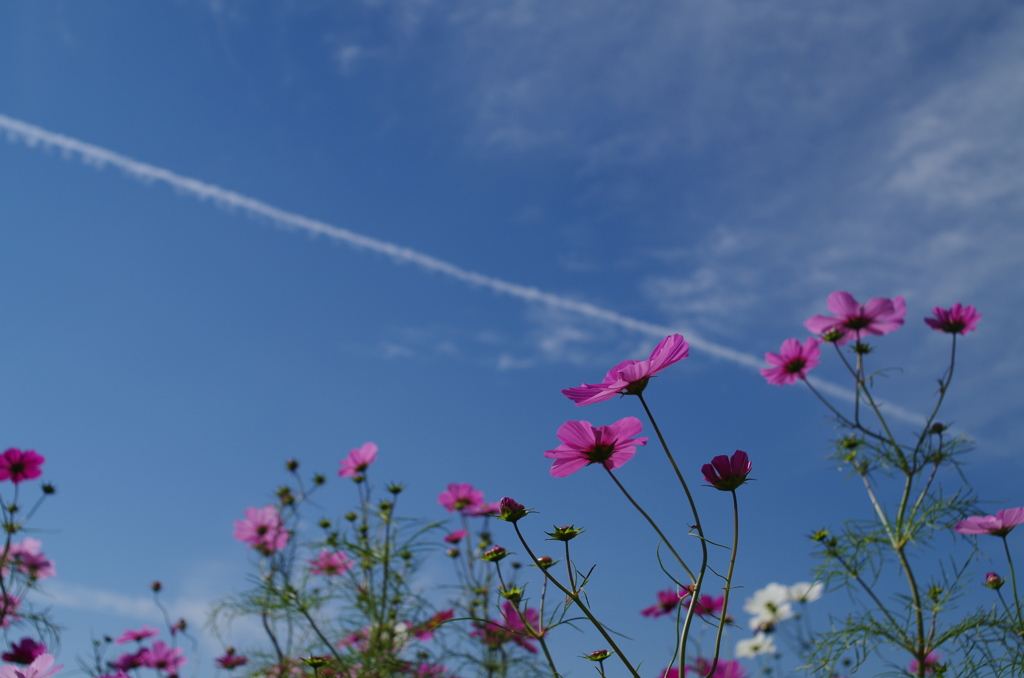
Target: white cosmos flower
[
  {"x": 769, "y": 606},
  {"x": 761, "y": 643},
  {"x": 806, "y": 592}
]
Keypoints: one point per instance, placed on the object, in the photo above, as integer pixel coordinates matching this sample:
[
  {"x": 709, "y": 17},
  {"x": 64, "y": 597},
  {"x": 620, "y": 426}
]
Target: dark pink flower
[
  {"x": 429, "y": 671},
  {"x": 510, "y": 510},
  {"x": 456, "y": 536},
  {"x": 709, "y": 605},
  {"x": 129, "y": 661},
  {"x": 24, "y": 652},
  {"x": 672, "y": 672},
  {"x": 17, "y": 466},
  {"x": 792, "y": 361},
  {"x": 9, "y": 605},
  {"x": 331, "y": 563},
  {"x": 931, "y": 661},
  {"x": 230, "y": 660},
  {"x": 461, "y": 497},
  {"x": 631, "y": 376},
  {"x": 139, "y": 634},
  {"x": 41, "y": 667},
  {"x": 957, "y": 320},
  {"x": 358, "y": 460},
  {"x": 999, "y": 525},
  {"x": 163, "y": 657},
  {"x": 583, "y": 444},
  {"x": 262, "y": 529},
  {"x": 667, "y": 602},
  {"x": 727, "y": 474},
  {"x": 878, "y": 316}
]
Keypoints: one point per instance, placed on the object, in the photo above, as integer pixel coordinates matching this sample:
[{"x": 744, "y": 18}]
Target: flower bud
[
  {"x": 994, "y": 581},
  {"x": 156, "y": 586},
  {"x": 291, "y": 464},
  {"x": 48, "y": 488},
  {"x": 544, "y": 562},
  {"x": 351, "y": 516},
  {"x": 511, "y": 510},
  {"x": 325, "y": 524},
  {"x": 598, "y": 655},
  {"x": 395, "y": 489},
  {"x": 565, "y": 533},
  {"x": 453, "y": 553},
  {"x": 938, "y": 428},
  {"x": 494, "y": 554},
  {"x": 513, "y": 594},
  {"x": 319, "y": 479}
]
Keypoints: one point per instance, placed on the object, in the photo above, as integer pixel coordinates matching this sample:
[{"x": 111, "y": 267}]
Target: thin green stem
[
  {"x": 574, "y": 596},
  {"x": 1013, "y": 580},
  {"x": 728, "y": 580}
]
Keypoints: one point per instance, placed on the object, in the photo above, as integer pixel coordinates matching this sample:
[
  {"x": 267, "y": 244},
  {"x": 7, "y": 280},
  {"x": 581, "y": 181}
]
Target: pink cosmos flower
[
  {"x": 709, "y": 605},
  {"x": 484, "y": 509},
  {"x": 426, "y": 630},
  {"x": 667, "y": 602},
  {"x": 672, "y": 672},
  {"x": 41, "y": 667},
  {"x": 727, "y": 474},
  {"x": 583, "y": 444},
  {"x": 461, "y": 497},
  {"x": 129, "y": 661},
  {"x": 331, "y": 564},
  {"x": 262, "y": 529},
  {"x": 456, "y": 536},
  {"x": 999, "y": 525},
  {"x": 163, "y": 657},
  {"x": 139, "y": 634},
  {"x": 957, "y": 320},
  {"x": 792, "y": 361},
  {"x": 17, "y": 466},
  {"x": 930, "y": 662},
  {"x": 878, "y": 316},
  {"x": 28, "y": 558},
  {"x": 425, "y": 670},
  {"x": 631, "y": 376},
  {"x": 523, "y": 626},
  {"x": 24, "y": 652},
  {"x": 230, "y": 660},
  {"x": 9, "y": 605},
  {"x": 358, "y": 460},
  {"x": 725, "y": 668}
]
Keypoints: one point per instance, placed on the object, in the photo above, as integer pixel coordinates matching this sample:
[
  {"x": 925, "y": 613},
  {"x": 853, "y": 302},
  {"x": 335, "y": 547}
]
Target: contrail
[{"x": 32, "y": 136}]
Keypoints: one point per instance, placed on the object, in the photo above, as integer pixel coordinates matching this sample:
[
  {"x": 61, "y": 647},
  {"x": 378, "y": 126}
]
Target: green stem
[
  {"x": 1013, "y": 580},
  {"x": 574, "y": 596},
  {"x": 728, "y": 580}
]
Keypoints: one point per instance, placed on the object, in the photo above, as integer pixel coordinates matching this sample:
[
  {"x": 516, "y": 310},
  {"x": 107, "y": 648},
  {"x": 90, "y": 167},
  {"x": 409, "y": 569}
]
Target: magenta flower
[
  {"x": 709, "y": 605},
  {"x": 230, "y": 660},
  {"x": 17, "y": 466},
  {"x": 999, "y": 525},
  {"x": 456, "y": 536},
  {"x": 631, "y": 376},
  {"x": 727, "y": 474},
  {"x": 139, "y": 634},
  {"x": 792, "y": 362},
  {"x": 129, "y": 661},
  {"x": 485, "y": 509},
  {"x": 163, "y": 657},
  {"x": 24, "y": 652},
  {"x": 672, "y": 672},
  {"x": 331, "y": 564},
  {"x": 725, "y": 668},
  {"x": 358, "y": 460},
  {"x": 28, "y": 558},
  {"x": 523, "y": 626},
  {"x": 930, "y": 662},
  {"x": 9, "y": 605},
  {"x": 667, "y": 602},
  {"x": 583, "y": 444},
  {"x": 957, "y": 320},
  {"x": 461, "y": 497},
  {"x": 41, "y": 667},
  {"x": 262, "y": 529},
  {"x": 426, "y": 630},
  {"x": 878, "y": 316}
]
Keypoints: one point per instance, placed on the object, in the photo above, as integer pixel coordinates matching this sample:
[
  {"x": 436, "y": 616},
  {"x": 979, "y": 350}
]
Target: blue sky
[{"x": 717, "y": 169}]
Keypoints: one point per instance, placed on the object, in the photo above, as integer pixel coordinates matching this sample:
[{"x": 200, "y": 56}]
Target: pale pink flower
[
  {"x": 852, "y": 319},
  {"x": 461, "y": 497},
  {"x": 999, "y": 525},
  {"x": 137, "y": 634},
  {"x": 727, "y": 474},
  {"x": 41, "y": 667},
  {"x": 957, "y": 320},
  {"x": 163, "y": 657},
  {"x": 667, "y": 602},
  {"x": 28, "y": 557},
  {"x": 331, "y": 563},
  {"x": 358, "y": 460},
  {"x": 792, "y": 361},
  {"x": 262, "y": 529},
  {"x": 930, "y": 662},
  {"x": 485, "y": 509},
  {"x": 631, "y": 376},
  {"x": 583, "y": 444},
  {"x": 16, "y": 465}
]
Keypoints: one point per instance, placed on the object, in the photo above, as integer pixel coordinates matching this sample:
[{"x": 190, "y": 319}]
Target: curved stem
[
  {"x": 728, "y": 580},
  {"x": 574, "y": 596},
  {"x": 1013, "y": 579}
]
